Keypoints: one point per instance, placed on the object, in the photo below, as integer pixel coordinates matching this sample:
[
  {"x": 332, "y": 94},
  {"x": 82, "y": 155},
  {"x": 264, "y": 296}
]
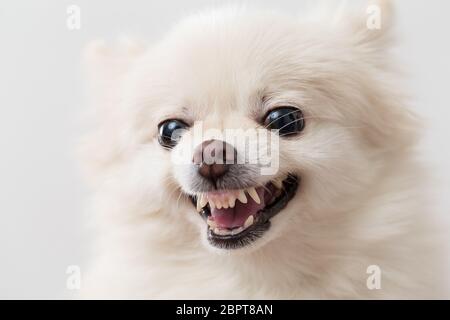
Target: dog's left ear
[
  {"x": 105, "y": 67},
  {"x": 371, "y": 26},
  {"x": 387, "y": 121}
]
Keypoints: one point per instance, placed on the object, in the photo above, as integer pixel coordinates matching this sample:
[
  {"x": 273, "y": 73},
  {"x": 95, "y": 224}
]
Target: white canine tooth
[
  {"x": 252, "y": 193},
  {"x": 203, "y": 200},
  {"x": 232, "y": 201},
  {"x": 199, "y": 208},
  {"x": 248, "y": 222},
  {"x": 241, "y": 196},
  {"x": 278, "y": 183}
]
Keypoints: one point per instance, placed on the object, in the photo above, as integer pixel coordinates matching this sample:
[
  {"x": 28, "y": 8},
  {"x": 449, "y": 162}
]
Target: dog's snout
[{"x": 213, "y": 158}]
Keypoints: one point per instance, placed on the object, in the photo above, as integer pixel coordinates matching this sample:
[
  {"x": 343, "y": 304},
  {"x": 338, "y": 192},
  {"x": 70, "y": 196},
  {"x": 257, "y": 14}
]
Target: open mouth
[{"x": 235, "y": 218}]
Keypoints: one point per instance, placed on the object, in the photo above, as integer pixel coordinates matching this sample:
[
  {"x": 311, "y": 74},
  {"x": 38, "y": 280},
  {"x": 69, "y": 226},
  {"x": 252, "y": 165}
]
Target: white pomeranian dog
[{"x": 192, "y": 200}]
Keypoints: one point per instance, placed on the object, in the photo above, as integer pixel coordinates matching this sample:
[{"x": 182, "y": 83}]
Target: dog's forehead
[
  {"x": 207, "y": 67},
  {"x": 220, "y": 62}
]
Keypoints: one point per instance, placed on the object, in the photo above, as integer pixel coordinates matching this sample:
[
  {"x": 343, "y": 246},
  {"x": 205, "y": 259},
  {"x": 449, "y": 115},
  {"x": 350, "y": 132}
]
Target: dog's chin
[{"x": 236, "y": 220}]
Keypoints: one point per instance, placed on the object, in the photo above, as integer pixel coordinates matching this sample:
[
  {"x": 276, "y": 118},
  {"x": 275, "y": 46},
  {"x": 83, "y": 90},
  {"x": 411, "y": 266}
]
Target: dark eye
[
  {"x": 286, "y": 120},
  {"x": 170, "y": 132}
]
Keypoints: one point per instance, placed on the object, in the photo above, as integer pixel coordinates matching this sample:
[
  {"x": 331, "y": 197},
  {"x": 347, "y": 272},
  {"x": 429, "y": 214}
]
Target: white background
[{"x": 41, "y": 99}]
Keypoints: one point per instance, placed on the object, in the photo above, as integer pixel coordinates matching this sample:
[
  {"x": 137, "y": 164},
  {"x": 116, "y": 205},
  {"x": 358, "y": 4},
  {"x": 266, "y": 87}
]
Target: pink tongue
[{"x": 236, "y": 217}]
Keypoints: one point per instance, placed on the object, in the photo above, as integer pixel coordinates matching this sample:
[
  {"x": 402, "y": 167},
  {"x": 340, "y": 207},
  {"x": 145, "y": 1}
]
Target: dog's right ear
[
  {"x": 372, "y": 27},
  {"x": 106, "y": 66}
]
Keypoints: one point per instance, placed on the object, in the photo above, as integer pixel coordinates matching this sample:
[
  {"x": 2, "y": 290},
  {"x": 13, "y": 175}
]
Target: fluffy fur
[{"x": 361, "y": 200}]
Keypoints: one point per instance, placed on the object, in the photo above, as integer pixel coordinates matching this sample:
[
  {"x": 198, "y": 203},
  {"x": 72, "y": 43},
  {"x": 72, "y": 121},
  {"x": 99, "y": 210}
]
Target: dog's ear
[
  {"x": 106, "y": 66},
  {"x": 387, "y": 122},
  {"x": 369, "y": 26},
  {"x": 372, "y": 25}
]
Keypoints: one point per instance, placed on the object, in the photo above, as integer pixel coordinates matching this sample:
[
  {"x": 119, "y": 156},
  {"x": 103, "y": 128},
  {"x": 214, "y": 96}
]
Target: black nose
[{"x": 213, "y": 158}]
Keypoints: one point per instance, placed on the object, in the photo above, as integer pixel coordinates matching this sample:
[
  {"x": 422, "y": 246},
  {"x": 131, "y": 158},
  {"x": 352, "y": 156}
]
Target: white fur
[{"x": 361, "y": 200}]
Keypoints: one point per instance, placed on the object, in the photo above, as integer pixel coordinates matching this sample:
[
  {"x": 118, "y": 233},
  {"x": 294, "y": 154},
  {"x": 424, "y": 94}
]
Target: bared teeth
[
  {"x": 248, "y": 222},
  {"x": 203, "y": 200},
  {"x": 254, "y": 195},
  {"x": 226, "y": 232},
  {"x": 227, "y": 200},
  {"x": 199, "y": 208},
  {"x": 241, "y": 196},
  {"x": 232, "y": 201},
  {"x": 237, "y": 230},
  {"x": 222, "y": 232}
]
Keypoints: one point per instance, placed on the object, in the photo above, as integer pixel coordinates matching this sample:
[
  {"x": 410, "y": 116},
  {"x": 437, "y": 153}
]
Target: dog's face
[{"x": 245, "y": 125}]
